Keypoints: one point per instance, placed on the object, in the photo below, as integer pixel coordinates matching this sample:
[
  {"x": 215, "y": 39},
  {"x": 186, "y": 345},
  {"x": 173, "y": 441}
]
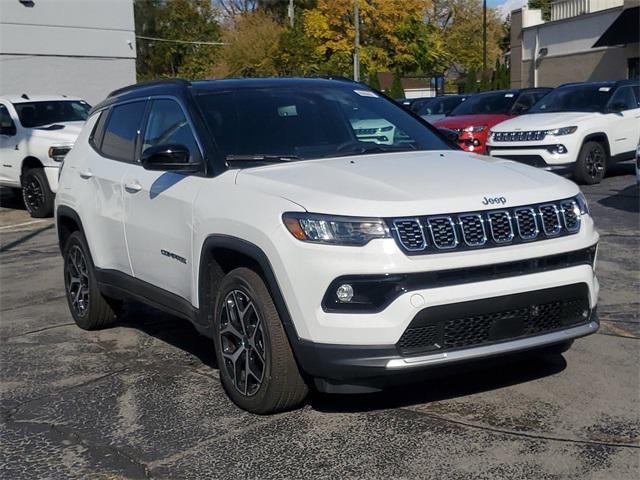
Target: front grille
[
  {"x": 489, "y": 228},
  {"x": 443, "y": 232},
  {"x": 528, "y": 136},
  {"x": 570, "y": 215},
  {"x": 493, "y": 320},
  {"x": 365, "y": 131},
  {"x": 409, "y": 233},
  {"x": 550, "y": 219}
]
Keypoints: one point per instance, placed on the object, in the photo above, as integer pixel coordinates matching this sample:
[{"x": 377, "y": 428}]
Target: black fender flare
[
  {"x": 63, "y": 211},
  {"x": 597, "y": 136},
  {"x": 257, "y": 254}
]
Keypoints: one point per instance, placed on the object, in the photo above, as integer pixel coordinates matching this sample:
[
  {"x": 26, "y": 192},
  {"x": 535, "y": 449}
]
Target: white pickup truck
[{"x": 36, "y": 132}]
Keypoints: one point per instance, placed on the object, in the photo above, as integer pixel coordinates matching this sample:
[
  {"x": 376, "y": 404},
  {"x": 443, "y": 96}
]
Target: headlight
[
  {"x": 582, "y": 204},
  {"x": 475, "y": 128},
  {"x": 561, "y": 131},
  {"x": 328, "y": 229},
  {"x": 58, "y": 153}
]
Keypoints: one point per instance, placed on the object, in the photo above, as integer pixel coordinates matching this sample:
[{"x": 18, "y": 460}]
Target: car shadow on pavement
[
  {"x": 11, "y": 198},
  {"x": 174, "y": 331},
  {"x": 625, "y": 199},
  {"x": 446, "y": 384},
  {"x": 441, "y": 384}
]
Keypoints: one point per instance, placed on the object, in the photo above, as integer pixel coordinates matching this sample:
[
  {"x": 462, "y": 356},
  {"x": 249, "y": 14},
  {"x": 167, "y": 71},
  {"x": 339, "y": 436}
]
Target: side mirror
[
  {"x": 9, "y": 130},
  {"x": 451, "y": 135},
  {"x": 169, "y": 157}
]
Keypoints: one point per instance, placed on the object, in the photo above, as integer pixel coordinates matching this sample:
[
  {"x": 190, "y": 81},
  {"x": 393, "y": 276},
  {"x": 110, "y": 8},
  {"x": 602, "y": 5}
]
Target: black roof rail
[{"x": 150, "y": 83}]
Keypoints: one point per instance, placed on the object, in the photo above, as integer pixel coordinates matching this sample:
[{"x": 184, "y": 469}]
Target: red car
[{"x": 474, "y": 118}]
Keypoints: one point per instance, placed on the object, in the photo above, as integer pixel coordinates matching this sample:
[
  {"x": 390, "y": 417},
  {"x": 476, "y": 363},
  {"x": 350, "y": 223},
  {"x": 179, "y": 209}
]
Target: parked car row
[{"x": 579, "y": 128}]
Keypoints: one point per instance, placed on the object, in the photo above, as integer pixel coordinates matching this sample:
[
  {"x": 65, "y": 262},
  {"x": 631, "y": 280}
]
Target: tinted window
[
  {"x": 311, "y": 123},
  {"x": 526, "y": 100},
  {"x": 98, "y": 130},
  {"x": 574, "y": 98},
  {"x": 39, "y": 114},
  {"x": 167, "y": 124},
  {"x": 623, "y": 99},
  {"x": 122, "y": 128},
  {"x": 636, "y": 91},
  {"x": 5, "y": 118},
  {"x": 486, "y": 103},
  {"x": 440, "y": 106}
]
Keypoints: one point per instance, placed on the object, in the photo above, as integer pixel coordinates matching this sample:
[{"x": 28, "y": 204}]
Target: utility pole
[
  {"x": 290, "y": 13},
  {"x": 484, "y": 36},
  {"x": 356, "y": 50}
]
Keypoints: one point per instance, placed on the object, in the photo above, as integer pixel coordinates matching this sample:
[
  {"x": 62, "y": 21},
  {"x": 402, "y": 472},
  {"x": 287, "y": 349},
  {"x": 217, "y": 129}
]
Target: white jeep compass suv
[
  {"x": 311, "y": 256},
  {"x": 36, "y": 132},
  {"x": 580, "y": 127}
]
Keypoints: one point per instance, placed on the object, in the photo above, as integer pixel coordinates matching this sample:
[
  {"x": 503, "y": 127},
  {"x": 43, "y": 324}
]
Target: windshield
[
  {"x": 306, "y": 123},
  {"x": 38, "y": 114},
  {"x": 440, "y": 106},
  {"x": 578, "y": 98},
  {"x": 486, "y": 103}
]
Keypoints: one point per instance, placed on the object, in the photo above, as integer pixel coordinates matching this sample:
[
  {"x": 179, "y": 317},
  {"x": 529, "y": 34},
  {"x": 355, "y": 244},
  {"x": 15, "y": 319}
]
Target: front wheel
[
  {"x": 591, "y": 166},
  {"x": 89, "y": 308},
  {"x": 257, "y": 367},
  {"x": 37, "y": 196}
]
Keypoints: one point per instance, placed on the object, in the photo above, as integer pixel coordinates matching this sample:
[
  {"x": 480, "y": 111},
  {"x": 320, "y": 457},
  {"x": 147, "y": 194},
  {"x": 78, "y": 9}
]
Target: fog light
[
  {"x": 476, "y": 142},
  {"x": 344, "y": 293}
]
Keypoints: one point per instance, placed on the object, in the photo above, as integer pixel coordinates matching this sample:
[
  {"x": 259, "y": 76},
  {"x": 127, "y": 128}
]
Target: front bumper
[
  {"x": 359, "y": 369},
  {"x": 543, "y": 155}
]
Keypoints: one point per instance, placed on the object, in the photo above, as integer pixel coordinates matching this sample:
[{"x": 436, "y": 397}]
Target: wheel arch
[
  {"x": 600, "y": 137},
  {"x": 29, "y": 162},
  {"x": 67, "y": 222},
  {"x": 222, "y": 253}
]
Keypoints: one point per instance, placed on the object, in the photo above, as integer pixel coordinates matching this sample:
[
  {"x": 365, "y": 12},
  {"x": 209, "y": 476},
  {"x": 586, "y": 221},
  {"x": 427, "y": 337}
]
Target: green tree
[
  {"x": 544, "y": 5},
  {"x": 176, "y": 23},
  {"x": 396, "y": 90}
]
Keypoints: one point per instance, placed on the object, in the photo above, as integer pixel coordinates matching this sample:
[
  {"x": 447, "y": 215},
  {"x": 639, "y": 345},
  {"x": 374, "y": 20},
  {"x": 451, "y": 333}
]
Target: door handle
[
  {"x": 86, "y": 174},
  {"x": 132, "y": 187}
]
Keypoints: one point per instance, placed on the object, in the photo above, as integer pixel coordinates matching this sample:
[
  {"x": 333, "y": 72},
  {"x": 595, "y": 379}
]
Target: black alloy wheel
[{"x": 242, "y": 342}]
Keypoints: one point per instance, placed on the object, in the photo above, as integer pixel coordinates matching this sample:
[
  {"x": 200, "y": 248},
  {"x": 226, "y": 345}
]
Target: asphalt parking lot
[{"x": 142, "y": 400}]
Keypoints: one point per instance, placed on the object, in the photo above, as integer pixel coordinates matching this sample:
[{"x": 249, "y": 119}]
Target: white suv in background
[
  {"x": 581, "y": 127},
  {"x": 36, "y": 132},
  {"x": 311, "y": 256}
]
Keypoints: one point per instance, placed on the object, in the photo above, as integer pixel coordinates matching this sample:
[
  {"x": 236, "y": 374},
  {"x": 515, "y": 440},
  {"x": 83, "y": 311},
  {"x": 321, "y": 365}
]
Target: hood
[
  {"x": 405, "y": 183},
  {"x": 544, "y": 121},
  {"x": 63, "y": 136},
  {"x": 463, "y": 121}
]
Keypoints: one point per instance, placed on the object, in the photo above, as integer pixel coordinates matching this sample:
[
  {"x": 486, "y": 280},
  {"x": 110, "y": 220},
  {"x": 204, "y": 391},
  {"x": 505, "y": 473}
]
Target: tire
[
  {"x": 37, "y": 196},
  {"x": 248, "y": 332},
  {"x": 591, "y": 166},
  {"x": 89, "y": 308}
]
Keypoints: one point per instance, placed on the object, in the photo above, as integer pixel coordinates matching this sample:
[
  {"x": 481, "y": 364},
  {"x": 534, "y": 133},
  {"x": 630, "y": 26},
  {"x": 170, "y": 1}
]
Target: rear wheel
[
  {"x": 37, "y": 196},
  {"x": 591, "y": 166},
  {"x": 257, "y": 367},
  {"x": 89, "y": 308}
]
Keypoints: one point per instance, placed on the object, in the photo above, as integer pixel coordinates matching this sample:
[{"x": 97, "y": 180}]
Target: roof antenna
[{"x": 25, "y": 96}]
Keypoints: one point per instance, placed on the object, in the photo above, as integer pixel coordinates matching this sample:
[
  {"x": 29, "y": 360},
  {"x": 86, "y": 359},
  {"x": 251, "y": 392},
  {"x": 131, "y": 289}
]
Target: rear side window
[
  {"x": 98, "y": 130},
  {"x": 120, "y": 134}
]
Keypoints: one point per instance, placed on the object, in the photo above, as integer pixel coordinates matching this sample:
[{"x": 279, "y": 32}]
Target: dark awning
[{"x": 624, "y": 29}]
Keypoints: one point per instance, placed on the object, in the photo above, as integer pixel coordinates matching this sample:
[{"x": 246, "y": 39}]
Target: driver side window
[
  {"x": 167, "y": 124},
  {"x": 6, "y": 122},
  {"x": 623, "y": 99}
]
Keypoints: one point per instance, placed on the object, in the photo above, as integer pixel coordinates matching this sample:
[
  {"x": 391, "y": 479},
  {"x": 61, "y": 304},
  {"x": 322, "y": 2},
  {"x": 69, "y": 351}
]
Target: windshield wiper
[
  {"x": 377, "y": 148},
  {"x": 261, "y": 158}
]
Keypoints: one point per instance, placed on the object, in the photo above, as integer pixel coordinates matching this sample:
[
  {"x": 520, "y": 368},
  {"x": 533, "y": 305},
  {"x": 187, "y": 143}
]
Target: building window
[{"x": 633, "y": 68}]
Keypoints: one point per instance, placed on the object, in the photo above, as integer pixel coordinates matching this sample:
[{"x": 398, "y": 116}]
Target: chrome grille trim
[
  {"x": 432, "y": 223},
  {"x": 519, "y": 222},
  {"x": 557, "y": 226},
  {"x": 473, "y": 230},
  {"x": 571, "y": 205},
  {"x": 397, "y": 224},
  {"x": 465, "y": 229},
  {"x": 498, "y": 238}
]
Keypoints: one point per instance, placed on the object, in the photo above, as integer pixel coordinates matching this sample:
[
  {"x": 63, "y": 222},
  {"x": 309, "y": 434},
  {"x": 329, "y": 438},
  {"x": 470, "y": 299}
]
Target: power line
[{"x": 155, "y": 39}]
